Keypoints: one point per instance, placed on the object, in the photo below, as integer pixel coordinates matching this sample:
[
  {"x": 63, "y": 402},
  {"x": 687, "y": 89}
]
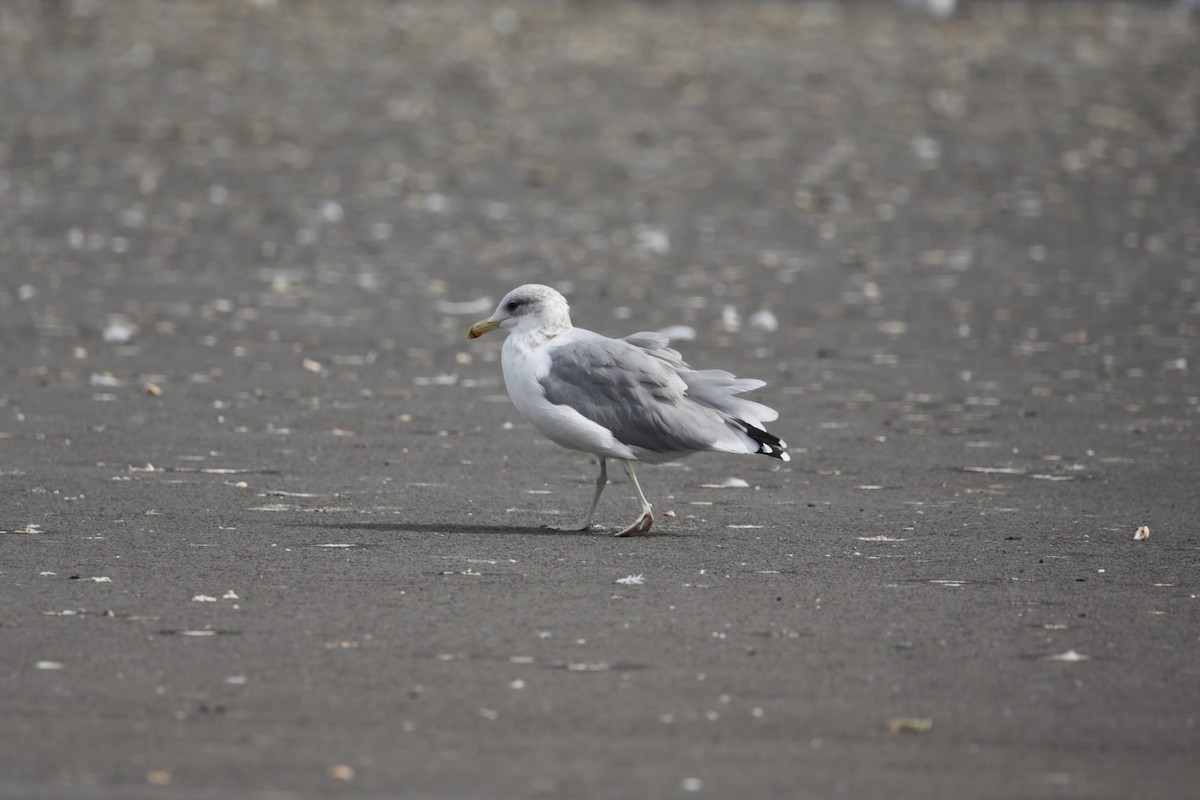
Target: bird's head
[{"x": 528, "y": 307}]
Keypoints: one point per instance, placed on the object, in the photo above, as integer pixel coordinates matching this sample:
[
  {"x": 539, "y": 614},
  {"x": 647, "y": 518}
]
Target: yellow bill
[{"x": 481, "y": 327}]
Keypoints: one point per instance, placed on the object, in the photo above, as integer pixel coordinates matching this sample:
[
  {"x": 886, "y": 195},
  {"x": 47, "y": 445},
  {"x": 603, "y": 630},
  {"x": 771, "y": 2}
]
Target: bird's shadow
[{"x": 480, "y": 530}]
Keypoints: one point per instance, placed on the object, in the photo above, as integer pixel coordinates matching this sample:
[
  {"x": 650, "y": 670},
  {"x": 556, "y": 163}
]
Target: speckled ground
[{"x": 271, "y": 527}]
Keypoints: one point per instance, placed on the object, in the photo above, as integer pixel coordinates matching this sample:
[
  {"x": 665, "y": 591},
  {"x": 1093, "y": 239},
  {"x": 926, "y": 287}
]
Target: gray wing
[
  {"x": 639, "y": 396},
  {"x": 714, "y": 388}
]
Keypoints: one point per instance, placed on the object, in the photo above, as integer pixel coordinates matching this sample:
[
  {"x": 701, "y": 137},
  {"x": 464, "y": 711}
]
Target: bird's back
[{"x": 648, "y": 397}]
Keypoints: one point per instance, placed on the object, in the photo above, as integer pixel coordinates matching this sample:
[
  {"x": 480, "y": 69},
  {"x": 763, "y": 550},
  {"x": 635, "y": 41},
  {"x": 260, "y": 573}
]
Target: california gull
[{"x": 632, "y": 399}]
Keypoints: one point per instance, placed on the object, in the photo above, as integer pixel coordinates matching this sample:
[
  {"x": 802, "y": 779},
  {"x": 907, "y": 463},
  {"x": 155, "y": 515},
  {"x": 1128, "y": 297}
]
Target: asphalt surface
[{"x": 272, "y": 528}]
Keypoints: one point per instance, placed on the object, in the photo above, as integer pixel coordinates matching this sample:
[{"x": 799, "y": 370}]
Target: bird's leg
[
  {"x": 643, "y": 522},
  {"x": 586, "y": 522}
]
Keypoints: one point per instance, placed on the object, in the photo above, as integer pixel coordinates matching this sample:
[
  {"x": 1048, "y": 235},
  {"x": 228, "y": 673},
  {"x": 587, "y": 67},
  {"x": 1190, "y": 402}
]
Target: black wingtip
[{"x": 768, "y": 444}]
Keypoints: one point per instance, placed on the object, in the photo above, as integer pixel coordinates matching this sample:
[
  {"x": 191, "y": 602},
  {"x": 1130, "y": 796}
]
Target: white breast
[{"x": 524, "y": 366}]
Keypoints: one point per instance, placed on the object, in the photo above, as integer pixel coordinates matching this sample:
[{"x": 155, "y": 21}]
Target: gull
[{"x": 632, "y": 399}]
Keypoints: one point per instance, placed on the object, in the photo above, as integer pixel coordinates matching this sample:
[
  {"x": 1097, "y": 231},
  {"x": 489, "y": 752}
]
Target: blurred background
[
  {"x": 240, "y": 246},
  {"x": 253, "y": 182}
]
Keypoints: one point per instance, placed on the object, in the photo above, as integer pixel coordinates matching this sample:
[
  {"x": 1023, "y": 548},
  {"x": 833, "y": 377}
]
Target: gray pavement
[{"x": 272, "y": 528}]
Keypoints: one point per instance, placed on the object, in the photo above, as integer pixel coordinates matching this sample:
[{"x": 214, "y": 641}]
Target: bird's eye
[{"x": 512, "y": 306}]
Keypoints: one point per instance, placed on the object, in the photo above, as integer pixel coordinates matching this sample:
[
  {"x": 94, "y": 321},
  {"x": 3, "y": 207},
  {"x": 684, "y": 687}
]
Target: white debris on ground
[
  {"x": 679, "y": 333},
  {"x": 632, "y": 580},
  {"x": 118, "y": 332},
  {"x": 728, "y": 483},
  {"x": 652, "y": 241},
  {"x": 481, "y": 305},
  {"x": 442, "y": 379},
  {"x": 105, "y": 379},
  {"x": 763, "y": 320}
]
